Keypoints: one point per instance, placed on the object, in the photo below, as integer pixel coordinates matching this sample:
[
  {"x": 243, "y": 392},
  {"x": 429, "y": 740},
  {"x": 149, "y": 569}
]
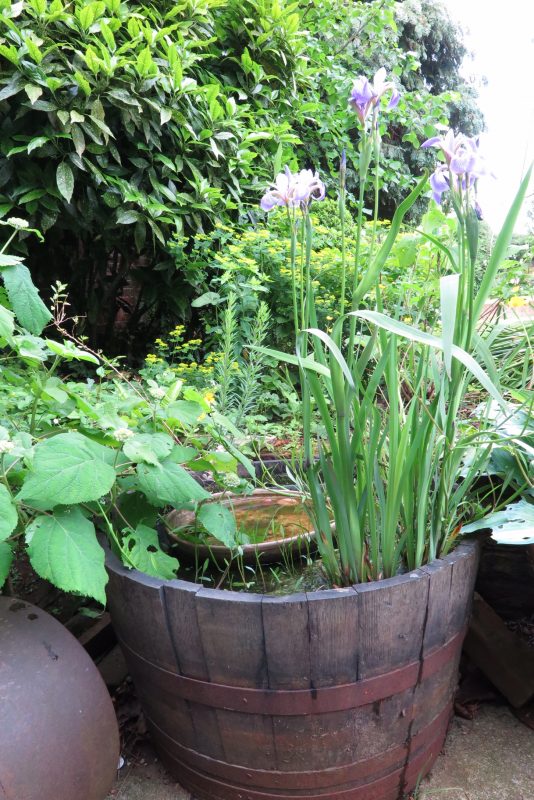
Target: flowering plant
[
  {"x": 388, "y": 453},
  {"x": 79, "y": 455}
]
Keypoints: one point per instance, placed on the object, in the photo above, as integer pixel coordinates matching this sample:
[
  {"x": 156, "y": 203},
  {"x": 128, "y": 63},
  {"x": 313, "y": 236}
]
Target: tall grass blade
[{"x": 501, "y": 246}]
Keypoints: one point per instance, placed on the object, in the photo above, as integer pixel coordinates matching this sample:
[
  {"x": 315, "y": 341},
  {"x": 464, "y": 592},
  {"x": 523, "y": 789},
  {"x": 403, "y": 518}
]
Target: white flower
[
  {"x": 122, "y": 434},
  {"x": 16, "y": 222},
  {"x": 6, "y": 447},
  {"x": 157, "y": 392}
]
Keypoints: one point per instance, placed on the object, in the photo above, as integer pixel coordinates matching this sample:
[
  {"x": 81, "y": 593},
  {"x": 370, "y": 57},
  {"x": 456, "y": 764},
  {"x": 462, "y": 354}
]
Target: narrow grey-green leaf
[
  {"x": 449, "y": 285},
  {"x": 64, "y": 550},
  {"x": 65, "y": 181},
  {"x": 415, "y": 335},
  {"x": 68, "y": 468},
  {"x": 29, "y": 309}
]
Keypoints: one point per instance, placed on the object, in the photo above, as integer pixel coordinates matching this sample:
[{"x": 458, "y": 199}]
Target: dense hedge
[{"x": 123, "y": 124}]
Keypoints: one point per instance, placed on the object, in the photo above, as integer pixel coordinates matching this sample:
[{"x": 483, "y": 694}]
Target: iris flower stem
[
  {"x": 342, "y": 209},
  {"x": 292, "y": 259},
  {"x": 363, "y": 170}
]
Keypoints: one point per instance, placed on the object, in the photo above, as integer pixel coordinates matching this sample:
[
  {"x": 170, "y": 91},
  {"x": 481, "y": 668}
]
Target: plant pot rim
[
  {"x": 269, "y": 550},
  {"x": 465, "y": 548}
]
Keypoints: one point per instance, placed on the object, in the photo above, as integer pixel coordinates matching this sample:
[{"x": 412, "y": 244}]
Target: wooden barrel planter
[{"x": 339, "y": 695}]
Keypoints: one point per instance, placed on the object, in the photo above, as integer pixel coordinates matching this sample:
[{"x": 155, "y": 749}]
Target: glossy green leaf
[
  {"x": 33, "y": 92},
  {"x": 65, "y": 181}
]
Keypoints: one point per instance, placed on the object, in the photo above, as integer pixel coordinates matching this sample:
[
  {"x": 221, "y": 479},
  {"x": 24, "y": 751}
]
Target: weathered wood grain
[
  {"x": 230, "y": 625},
  {"x": 391, "y": 622},
  {"x": 326, "y": 695}
]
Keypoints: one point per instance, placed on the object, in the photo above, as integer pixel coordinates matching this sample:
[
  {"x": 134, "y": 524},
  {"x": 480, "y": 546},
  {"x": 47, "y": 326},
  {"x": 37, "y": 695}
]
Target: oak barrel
[{"x": 339, "y": 694}]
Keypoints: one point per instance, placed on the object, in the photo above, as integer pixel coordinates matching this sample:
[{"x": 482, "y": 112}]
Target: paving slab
[{"x": 490, "y": 757}]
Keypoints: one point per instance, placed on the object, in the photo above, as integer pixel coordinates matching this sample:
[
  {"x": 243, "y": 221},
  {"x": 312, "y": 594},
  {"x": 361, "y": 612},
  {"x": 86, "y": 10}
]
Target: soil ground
[{"x": 490, "y": 757}]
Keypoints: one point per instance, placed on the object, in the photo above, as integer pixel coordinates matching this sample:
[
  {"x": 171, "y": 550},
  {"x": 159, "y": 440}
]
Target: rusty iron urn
[{"x": 58, "y": 731}]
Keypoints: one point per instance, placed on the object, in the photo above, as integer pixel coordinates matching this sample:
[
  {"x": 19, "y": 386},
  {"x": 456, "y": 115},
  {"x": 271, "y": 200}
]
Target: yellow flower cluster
[
  {"x": 517, "y": 302},
  {"x": 152, "y": 358},
  {"x": 177, "y": 332}
]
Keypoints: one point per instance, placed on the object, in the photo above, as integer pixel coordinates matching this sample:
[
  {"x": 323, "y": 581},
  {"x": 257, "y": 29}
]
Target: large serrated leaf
[
  {"x": 6, "y": 557},
  {"x": 64, "y": 550},
  {"x": 8, "y": 513},
  {"x": 68, "y": 468},
  {"x": 184, "y": 411},
  {"x": 514, "y": 525},
  {"x": 169, "y": 484},
  {"x": 219, "y": 522},
  {"x": 145, "y": 554},
  {"x": 7, "y": 324},
  {"x": 29, "y": 309},
  {"x": 149, "y": 447}
]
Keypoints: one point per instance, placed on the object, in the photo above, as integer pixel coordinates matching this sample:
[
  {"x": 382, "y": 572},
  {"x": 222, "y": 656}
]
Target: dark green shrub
[{"x": 122, "y": 122}]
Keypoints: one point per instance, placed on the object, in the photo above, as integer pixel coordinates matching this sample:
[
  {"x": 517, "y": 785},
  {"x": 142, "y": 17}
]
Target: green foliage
[
  {"x": 405, "y": 37},
  {"x": 122, "y": 122},
  {"x": 145, "y": 554},
  {"x": 218, "y": 521},
  {"x": 74, "y": 455},
  {"x": 67, "y": 469},
  {"x": 254, "y": 264},
  {"x": 64, "y": 550}
]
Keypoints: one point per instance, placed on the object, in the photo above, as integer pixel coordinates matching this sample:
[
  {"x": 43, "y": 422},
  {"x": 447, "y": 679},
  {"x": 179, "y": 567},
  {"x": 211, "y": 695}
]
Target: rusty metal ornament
[{"x": 59, "y": 738}]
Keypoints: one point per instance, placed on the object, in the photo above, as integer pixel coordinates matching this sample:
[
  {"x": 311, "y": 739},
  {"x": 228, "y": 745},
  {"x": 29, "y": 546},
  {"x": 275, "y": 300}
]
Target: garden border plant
[
  {"x": 73, "y": 456},
  {"x": 311, "y": 691}
]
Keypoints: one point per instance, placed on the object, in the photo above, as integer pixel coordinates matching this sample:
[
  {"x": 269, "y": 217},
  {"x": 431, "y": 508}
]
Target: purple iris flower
[
  {"x": 463, "y": 163},
  {"x": 439, "y": 183},
  {"x": 293, "y": 190},
  {"x": 365, "y": 96}
]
